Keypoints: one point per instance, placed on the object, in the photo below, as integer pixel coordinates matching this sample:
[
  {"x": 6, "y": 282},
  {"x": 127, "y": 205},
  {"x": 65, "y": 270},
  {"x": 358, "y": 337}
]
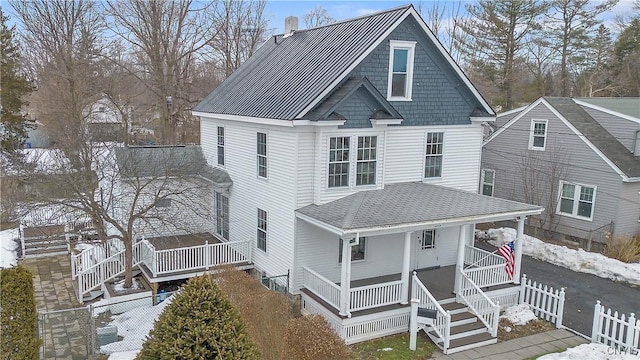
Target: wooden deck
[
  {"x": 52, "y": 231},
  {"x": 183, "y": 241}
]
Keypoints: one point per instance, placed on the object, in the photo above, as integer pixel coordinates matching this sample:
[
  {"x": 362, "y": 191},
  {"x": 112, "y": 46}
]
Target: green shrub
[
  {"x": 312, "y": 338},
  {"x": 264, "y": 312},
  {"x": 200, "y": 323},
  {"x": 625, "y": 248},
  {"x": 18, "y": 318}
]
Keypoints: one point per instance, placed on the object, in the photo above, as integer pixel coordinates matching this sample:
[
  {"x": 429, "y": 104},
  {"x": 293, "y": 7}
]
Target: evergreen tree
[
  {"x": 200, "y": 323},
  {"x": 13, "y": 89},
  {"x": 627, "y": 56},
  {"x": 497, "y": 31}
]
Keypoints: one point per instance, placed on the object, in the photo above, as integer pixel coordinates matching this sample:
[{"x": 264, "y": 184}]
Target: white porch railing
[
  {"x": 479, "y": 304},
  {"x": 322, "y": 287},
  {"x": 442, "y": 322},
  {"x": 477, "y": 257},
  {"x": 488, "y": 275},
  {"x": 376, "y": 295},
  {"x": 105, "y": 270},
  {"x": 197, "y": 257}
]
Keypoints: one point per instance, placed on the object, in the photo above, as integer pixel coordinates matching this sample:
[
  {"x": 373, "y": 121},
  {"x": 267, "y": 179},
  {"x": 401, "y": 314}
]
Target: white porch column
[
  {"x": 345, "y": 278},
  {"x": 518, "y": 249},
  {"x": 405, "y": 268},
  {"x": 462, "y": 240}
]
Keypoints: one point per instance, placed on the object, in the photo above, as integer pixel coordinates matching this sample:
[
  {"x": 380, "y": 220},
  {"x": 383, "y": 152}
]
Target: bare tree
[
  {"x": 541, "y": 173},
  {"x": 317, "y": 17}
]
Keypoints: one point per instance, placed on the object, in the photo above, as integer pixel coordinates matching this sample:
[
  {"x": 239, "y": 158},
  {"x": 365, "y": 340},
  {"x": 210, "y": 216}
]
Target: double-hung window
[
  {"x": 261, "y": 234},
  {"x": 433, "y": 157},
  {"x": 339, "y": 161},
  {"x": 538, "y": 135},
  {"x": 357, "y": 251},
  {"x": 576, "y": 200},
  {"x": 486, "y": 182},
  {"x": 262, "y": 154},
  {"x": 222, "y": 215},
  {"x": 220, "y": 145},
  {"x": 366, "y": 162},
  {"x": 401, "y": 70}
]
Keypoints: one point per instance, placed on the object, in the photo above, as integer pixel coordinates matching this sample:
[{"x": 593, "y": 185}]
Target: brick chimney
[{"x": 290, "y": 25}]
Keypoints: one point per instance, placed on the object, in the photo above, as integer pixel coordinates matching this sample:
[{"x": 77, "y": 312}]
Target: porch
[{"x": 159, "y": 259}]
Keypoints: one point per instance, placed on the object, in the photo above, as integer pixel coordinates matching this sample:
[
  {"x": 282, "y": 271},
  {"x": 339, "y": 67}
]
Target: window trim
[
  {"x": 483, "y": 183},
  {"x": 353, "y": 161},
  {"x": 220, "y": 145},
  {"x": 260, "y": 230},
  {"x": 224, "y": 220},
  {"x": 408, "y": 45},
  {"x": 265, "y": 155},
  {"x": 348, "y": 161},
  {"x": 576, "y": 200},
  {"x": 532, "y": 136},
  {"x": 425, "y": 155},
  {"x": 363, "y": 240}
]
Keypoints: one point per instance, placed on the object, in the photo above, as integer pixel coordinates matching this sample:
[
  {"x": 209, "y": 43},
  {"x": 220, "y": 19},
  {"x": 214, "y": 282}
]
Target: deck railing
[
  {"x": 198, "y": 257},
  {"x": 376, "y": 295},
  {"x": 322, "y": 287},
  {"x": 442, "y": 322},
  {"x": 488, "y": 275},
  {"x": 476, "y": 257},
  {"x": 479, "y": 303},
  {"x": 105, "y": 270}
]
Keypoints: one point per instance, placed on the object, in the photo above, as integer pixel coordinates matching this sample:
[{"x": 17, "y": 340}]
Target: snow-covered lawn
[
  {"x": 9, "y": 247},
  {"x": 133, "y": 326},
  {"x": 590, "y": 352},
  {"x": 576, "y": 260}
]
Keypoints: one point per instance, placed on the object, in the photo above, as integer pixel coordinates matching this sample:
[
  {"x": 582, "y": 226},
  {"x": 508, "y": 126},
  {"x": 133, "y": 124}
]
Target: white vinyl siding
[
  {"x": 538, "y": 134},
  {"x": 577, "y": 200},
  {"x": 401, "y": 59}
]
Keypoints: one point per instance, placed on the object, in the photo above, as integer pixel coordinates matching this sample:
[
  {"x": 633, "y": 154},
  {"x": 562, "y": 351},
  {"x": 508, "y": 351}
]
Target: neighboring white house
[
  {"x": 579, "y": 158},
  {"x": 355, "y": 151}
]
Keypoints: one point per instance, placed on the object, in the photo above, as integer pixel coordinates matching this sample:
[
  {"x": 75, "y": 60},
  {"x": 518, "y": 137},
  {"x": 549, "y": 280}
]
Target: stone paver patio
[{"x": 64, "y": 332}]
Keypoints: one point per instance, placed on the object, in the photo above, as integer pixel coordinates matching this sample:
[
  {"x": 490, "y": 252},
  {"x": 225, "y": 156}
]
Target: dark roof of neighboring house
[
  {"x": 160, "y": 161},
  {"x": 597, "y": 135},
  {"x": 408, "y": 203},
  {"x": 288, "y": 73},
  {"x": 627, "y": 105}
]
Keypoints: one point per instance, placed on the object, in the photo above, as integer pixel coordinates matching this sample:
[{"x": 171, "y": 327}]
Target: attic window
[
  {"x": 400, "y": 70},
  {"x": 163, "y": 203}
]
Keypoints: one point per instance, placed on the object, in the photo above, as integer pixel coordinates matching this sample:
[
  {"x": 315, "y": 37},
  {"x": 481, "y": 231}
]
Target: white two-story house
[{"x": 354, "y": 153}]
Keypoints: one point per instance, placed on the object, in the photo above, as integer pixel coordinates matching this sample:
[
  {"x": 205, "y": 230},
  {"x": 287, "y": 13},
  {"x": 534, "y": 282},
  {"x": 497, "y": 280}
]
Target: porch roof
[{"x": 410, "y": 206}]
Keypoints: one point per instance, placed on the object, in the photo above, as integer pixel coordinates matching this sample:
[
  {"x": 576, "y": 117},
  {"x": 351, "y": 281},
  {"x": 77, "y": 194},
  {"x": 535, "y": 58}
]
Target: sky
[{"x": 278, "y": 10}]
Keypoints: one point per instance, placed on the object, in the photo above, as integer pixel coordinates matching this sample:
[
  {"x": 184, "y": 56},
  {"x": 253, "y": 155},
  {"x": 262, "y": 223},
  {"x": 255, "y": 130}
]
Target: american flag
[{"x": 508, "y": 252}]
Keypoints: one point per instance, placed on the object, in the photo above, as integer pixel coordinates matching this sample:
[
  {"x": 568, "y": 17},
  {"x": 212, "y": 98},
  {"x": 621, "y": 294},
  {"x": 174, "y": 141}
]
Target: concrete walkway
[
  {"x": 63, "y": 323},
  {"x": 522, "y": 348}
]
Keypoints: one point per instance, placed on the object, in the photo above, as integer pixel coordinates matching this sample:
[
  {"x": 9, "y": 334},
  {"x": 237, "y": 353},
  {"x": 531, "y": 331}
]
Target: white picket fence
[
  {"x": 615, "y": 330},
  {"x": 545, "y": 302}
]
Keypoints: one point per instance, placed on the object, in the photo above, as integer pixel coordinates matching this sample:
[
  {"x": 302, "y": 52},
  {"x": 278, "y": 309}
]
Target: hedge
[{"x": 18, "y": 317}]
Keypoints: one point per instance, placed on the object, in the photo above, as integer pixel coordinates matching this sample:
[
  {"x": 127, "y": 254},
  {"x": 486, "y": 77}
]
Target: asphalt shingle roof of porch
[{"x": 411, "y": 203}]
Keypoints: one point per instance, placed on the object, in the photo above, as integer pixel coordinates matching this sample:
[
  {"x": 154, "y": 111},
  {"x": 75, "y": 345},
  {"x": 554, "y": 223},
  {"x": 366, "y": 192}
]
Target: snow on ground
[
  {"x": 576, "y": 260},
  {"x": 519, "y": 314},
  {"x": 8, "y": 248},
  {"x": 124, "y": 355},
  {"x": 134, "y": 326},
  {"x": 591, "y": 352},
  {"x": 119, "y": 286}
]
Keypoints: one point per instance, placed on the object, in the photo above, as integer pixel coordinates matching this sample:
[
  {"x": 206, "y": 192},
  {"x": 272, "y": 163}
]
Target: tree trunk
[{"x": 128, "y": 262}]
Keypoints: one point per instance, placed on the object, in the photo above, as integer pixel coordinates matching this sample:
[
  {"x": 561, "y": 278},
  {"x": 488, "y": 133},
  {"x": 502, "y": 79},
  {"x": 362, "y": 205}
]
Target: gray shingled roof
[
  {"x": 597, "y": 135},
  {"x": 287, "y": 73},
  {"x": 384, "y": 109},
  {"x": 160, "y": 161},
  {"x": 627, "y": 105},
  {"x": 410, "y": 203}
]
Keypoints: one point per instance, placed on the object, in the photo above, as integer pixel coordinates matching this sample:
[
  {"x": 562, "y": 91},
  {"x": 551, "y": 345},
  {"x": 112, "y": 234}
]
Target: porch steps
[
  {"x": 40, "y": 247},
  {"x": 466, "y": 332}
]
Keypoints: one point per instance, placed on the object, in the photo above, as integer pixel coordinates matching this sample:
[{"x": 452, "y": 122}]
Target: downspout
[{"x": 636, "y": 146}]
